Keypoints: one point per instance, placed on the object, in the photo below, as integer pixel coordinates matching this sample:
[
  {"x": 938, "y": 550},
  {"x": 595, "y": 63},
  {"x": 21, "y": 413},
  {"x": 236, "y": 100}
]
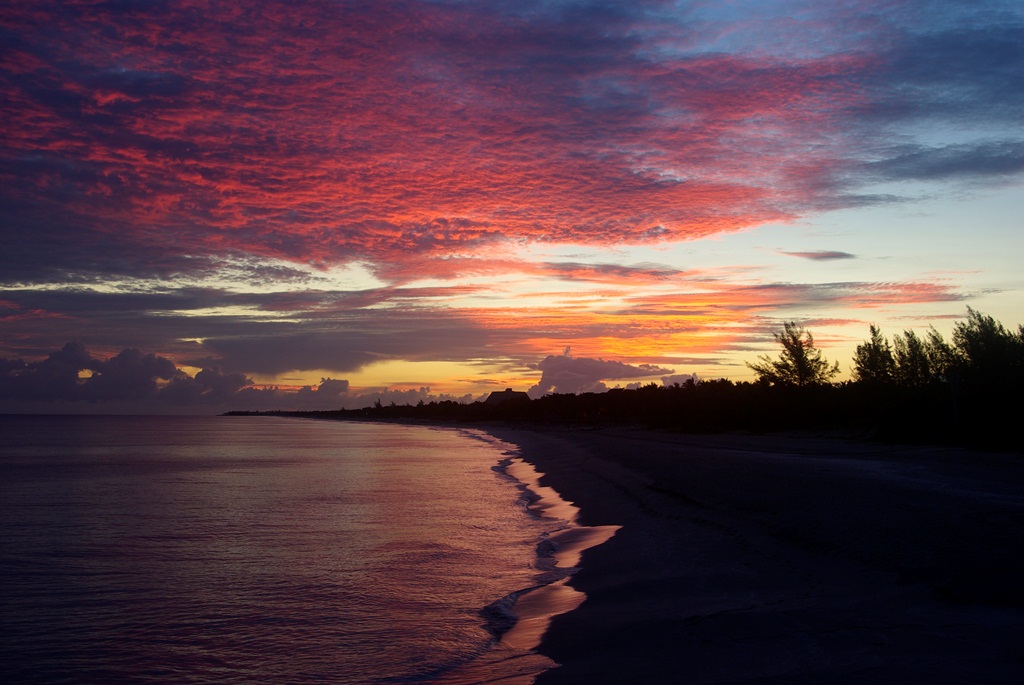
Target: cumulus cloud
[
  {"x": 71, "y": 379},
  {"x": 72, "y": 374},
  {"x": 568, "y": 374},
  {"x": 329, "y": 395},
  {"x": 679, "y": 379},
  {"x": 130, "y": 375},
  {"x": 209, "y": 386},
  {"x": 332, "y": 387}
]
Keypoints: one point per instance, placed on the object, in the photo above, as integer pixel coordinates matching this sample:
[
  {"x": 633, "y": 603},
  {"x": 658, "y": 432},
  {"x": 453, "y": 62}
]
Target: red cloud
[{"x": 324, "y": 133}]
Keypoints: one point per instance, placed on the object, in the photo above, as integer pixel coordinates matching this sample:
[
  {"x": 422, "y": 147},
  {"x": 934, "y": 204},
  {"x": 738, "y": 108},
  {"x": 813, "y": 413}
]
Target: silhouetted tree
[
  {"x": 967, "y": 392},
  {"x": 800, "y": 362},
  {"x": 912, "y": 365},
  {"x": 989, "y": 352},
  {"x": 942, "y": 357},
  {"x": 873, "y": 361},
  {"x": 920, "y": 361}
]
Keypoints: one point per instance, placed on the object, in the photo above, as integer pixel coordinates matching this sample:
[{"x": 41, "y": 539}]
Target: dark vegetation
[{"x": 965, "y": 391}]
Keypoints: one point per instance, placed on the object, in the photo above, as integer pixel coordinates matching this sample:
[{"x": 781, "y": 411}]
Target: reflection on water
[{"x": 245, "y": 549}]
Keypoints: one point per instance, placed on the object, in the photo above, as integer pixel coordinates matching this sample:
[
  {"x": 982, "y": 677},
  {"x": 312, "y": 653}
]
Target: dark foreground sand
[{"x": 751, "y": 559}]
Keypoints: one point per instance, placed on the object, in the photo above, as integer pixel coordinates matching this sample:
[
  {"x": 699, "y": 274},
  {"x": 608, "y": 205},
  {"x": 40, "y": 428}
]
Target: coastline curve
[{"x": 519, "y": 620}]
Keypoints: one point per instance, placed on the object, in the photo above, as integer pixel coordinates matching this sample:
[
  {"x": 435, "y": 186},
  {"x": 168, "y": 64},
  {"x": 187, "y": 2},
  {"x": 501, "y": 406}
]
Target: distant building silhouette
[{"x": 508, "y": 395}]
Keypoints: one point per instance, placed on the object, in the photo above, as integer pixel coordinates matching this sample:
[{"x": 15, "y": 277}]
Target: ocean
[{"x": 262, "y": 549}]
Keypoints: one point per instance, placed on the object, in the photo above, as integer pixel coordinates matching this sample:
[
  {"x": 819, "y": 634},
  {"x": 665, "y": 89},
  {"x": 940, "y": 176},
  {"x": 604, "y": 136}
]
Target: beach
[{"x": 786, "y": 559}]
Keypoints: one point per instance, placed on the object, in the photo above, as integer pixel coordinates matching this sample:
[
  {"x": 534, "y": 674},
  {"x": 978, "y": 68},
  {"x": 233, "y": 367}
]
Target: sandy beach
[{"x": 745, "y": 559}]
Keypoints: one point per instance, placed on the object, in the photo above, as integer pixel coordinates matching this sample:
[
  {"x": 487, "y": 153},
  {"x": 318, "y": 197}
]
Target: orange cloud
[{"x": 151, "y": 147}]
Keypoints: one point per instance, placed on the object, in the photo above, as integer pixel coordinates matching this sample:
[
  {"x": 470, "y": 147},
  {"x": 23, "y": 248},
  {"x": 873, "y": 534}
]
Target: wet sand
[
  {"x": 535, "y": 608},
  {"x": 514, "y": 658},
  {"x": 751, "y": 559}
]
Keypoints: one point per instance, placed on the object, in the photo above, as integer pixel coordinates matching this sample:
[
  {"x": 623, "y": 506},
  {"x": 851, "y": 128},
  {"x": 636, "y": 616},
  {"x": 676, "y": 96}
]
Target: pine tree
[
  {"x": 800, "y": 362},
  {"x": 873, "y": 361}
]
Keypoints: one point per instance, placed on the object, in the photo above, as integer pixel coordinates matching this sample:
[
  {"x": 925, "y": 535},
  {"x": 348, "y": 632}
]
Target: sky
[{"x": 322, "y": 203}]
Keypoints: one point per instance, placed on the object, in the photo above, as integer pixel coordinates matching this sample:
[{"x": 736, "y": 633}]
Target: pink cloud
[
  {"x": 319, "y": 133},
  {"x": 442, "y": 141}
]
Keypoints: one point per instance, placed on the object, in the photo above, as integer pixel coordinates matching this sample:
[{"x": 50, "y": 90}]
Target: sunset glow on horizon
[{"x": 430, "y": 199}]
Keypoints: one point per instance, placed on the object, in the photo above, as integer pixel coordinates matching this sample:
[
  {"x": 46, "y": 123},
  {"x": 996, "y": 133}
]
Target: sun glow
[{"x": 430, "y": 196}]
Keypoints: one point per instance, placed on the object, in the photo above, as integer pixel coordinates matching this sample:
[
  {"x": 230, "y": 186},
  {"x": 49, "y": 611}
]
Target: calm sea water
[{"x": 256, "y": 549}]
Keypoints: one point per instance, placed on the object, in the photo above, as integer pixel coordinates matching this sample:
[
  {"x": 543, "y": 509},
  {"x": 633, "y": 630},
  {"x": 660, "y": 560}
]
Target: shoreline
[
  {"x": 518, "y": 620},
  {"x": 785, "y": 559},
  {"x": 558, "y": 555}
]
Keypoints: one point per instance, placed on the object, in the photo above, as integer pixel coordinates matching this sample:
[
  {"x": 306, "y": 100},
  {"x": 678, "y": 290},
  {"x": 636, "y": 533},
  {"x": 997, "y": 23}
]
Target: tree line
[
  {"x": 967, "y": 389},
  {"x": 982, "y": 353},
  {"x": 917, "y": 388}
]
